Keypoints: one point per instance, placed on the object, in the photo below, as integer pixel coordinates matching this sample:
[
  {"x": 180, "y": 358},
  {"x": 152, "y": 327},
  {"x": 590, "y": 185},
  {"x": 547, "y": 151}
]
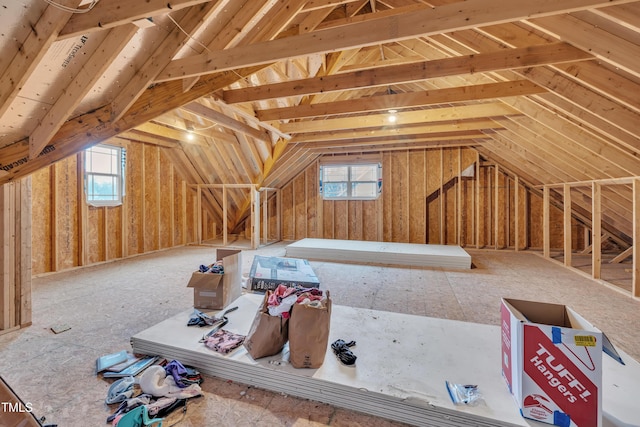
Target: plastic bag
[{"x": 463, "y": 394}]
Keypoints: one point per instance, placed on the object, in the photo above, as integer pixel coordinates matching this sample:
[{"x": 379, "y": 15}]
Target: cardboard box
[
  {"x": 552, "y": 362},
  {"x": 212, "y": 291},
  {"x": 268, "y": 272}
]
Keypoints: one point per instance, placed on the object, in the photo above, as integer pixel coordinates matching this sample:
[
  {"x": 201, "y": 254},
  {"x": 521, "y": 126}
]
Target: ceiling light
[{"x": 392, "y": 115}]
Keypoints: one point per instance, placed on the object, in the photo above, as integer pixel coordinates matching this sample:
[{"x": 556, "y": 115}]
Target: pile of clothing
[
  {"x": 161, "y": 388},
  {"x": 216, "y": 267},
  {"x": 283, "y": 298}
]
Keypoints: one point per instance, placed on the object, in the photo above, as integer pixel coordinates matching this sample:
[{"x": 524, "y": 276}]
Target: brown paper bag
[
  {"x": 309, "y": 334},
  {"x": 268, "y": 334}
]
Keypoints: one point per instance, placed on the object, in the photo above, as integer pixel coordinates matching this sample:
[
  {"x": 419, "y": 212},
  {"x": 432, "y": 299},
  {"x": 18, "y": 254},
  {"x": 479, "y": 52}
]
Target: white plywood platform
[
  {"x": 412, "y": 254},
  {"x": 403, "y": 362}
]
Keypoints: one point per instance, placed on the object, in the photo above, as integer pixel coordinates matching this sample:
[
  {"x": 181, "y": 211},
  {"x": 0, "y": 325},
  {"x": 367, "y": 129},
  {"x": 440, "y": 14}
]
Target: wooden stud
[
  {"x": 476, "y": 202},
  {"x": 6, "y": 279},
  {"x": 23, "y": 267},
  {"x": 546, "y": 239},
  {"x": 54, "y": 220},
  {"x": 199, "y": 213},
  {"x": 635, "y": 281},
  {"x": 172, "y": 205},
  {"x": 567, "y": 224},
  {"x": 224, "y": 215},
  {"x": 105, "y": 233},
  {"x": 459, "y": 200},
  {"x": 441, "y": 218},
  {"x": 158, "y": 190},
  {"x": 496, "y": 197},
  {"x": 596, "y": 227},
  {"x": 516, "y": 197},
  {"x": 183, "y": 212}
]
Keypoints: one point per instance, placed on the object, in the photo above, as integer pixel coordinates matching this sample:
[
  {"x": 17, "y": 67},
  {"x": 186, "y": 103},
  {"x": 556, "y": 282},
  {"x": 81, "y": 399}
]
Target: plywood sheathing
[{"x": 157, "y": 213}]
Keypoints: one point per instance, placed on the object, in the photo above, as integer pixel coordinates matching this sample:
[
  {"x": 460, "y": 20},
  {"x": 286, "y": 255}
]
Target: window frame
[
  {"x": 349, "y": 165},
  {"x": 119, "y": 175}
]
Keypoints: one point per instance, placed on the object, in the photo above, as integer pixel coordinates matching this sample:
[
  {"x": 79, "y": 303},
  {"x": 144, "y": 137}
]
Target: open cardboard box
[
  {"x": 212, "y": 291},
  {"x": 552, "y": 362}
]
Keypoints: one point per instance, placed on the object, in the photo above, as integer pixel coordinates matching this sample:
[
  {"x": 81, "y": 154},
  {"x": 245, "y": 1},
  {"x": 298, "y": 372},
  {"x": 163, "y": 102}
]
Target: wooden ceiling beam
[
  {"x": 394, "y": 146},
  {"x": 94, "y": 127},
  {"x": 114, "y": 13},
  {"x": 395, "y": 132},
  {"x": 473, "y": 111},
  {"x": 405, "y": 100},
  {"x": 503, "y": 59},
  {"x": 225, "y": 121},
  {"x": 605, "y": 46},
  {"x": 380, "y": 141},
  {"x": 447, "y": 18},
  {"x": 166, "y": 47}
]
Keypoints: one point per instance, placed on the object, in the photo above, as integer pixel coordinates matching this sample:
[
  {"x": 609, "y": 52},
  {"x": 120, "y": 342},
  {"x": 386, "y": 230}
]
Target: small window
[
  {"x": 349, "y": 182},
  {"x": 104, "y": 175}
]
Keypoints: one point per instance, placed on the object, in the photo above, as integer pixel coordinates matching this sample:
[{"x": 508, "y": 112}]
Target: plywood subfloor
[
  {"x": 106, "y": 305},
  {"x": 388, "y": 253}
]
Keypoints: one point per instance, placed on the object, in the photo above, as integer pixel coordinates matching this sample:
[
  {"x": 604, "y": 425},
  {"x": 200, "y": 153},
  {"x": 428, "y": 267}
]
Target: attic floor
[{"x": 104, "y": 305}]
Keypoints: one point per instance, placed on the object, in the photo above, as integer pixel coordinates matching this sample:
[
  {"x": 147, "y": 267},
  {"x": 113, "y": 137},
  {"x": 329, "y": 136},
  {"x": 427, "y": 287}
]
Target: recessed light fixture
[{"x": 392, "y": 115}]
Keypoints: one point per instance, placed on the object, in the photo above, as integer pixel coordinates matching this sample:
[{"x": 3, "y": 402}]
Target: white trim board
[
  {"x": 403, "y": 362},
  {"x": 412, "y": 254}
]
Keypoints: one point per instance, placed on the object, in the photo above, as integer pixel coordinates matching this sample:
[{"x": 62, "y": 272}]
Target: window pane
[
  {"x": 363, "y": 189},
  {"x": 103, "y": 187},
  {"x": 101, "y": 162},
  {"x": 364, "y": 173},
  {"x": 336, "y": 173},
  {"x": 335, "y": 189}
]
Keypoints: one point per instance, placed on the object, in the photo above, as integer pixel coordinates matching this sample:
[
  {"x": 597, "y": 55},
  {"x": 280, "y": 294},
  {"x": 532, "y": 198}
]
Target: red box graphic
[{"x": 552, "y": 362}]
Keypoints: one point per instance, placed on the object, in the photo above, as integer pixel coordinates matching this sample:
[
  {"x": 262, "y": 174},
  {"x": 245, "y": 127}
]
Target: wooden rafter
[{"x": 504, "y": 59}]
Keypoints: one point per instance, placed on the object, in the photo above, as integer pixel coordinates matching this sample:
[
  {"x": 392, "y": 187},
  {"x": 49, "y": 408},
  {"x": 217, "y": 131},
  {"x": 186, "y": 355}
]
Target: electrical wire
[{"x": 73, "y": 9}]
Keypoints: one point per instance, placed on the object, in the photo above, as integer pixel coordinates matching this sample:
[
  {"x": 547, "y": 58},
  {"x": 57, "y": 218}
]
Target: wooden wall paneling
[
  {"x": 496, "y": 206},
  {"x": 83, "y": 238},
  {"x": 476, "y": 202},
  {"x": 135, "y": 198},
  {"x": 53, "y": 204},
  {"x": 417, "y": 195},
  {"x": 41, "y": 221},
  {"x": 278, "y": 214},
  {"x": 635, "y": 276},
  {"x": 300, "y": 206},
  {"x": 546, "y": 238},
  {"x": 355, "y": 227},
  {"x": 7, "y": 250},
  {"x": 370, "y": 220},
  {"x": 432, "y": 209},
  {"x": 458, "y": 222},
  {"x": 402, "y": 192},
  {"x": 265, "y": 215},
  {"x": 596, "y": 226},
  {"x": 387, "y": 198},
  {"x": 173, "y": 200},
  {"x": 311, "y": 190},
  {"x": 67, "y": 217},
  {"x": 15, "y": 255},
  {"x": 183, "y": 212},
  {"x": 441, "y": 201},
  {"x": 341, "y": 219},
  {"x": 567, "y": 223},
  {"x": 288, "y": 215},
  {"x": 255, "y": 217},
  {"x": 319, "y": 203},
  {"x": 225, "y": 216},
  {"x": 165, "y": 201},
  {"x": 114, "y": 228},
  {"x": 23, "y": 260},
  {"x": 94, "y": 234},
  {"x": 199, "y": 213},
  {"x": 328, "y": 219}
]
